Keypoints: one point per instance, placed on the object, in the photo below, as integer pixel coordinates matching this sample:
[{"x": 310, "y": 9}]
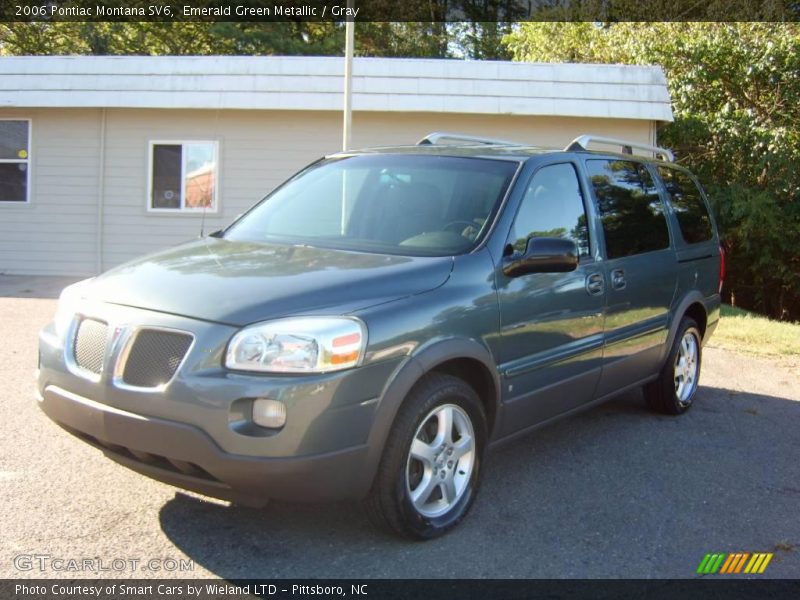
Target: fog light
[{"x": 269, "y": 413}]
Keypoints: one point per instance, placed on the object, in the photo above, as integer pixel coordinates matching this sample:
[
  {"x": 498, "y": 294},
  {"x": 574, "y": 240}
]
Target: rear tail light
[{"x": 721, "y": 268}]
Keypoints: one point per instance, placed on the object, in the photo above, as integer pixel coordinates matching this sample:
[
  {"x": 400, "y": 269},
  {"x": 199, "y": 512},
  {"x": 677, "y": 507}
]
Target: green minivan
[{"x": 379, "y": 321}]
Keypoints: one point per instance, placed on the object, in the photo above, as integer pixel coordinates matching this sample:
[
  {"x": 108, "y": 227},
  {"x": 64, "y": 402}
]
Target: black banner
[
  {"x": 177, "y": 589},
  {"x": 398, "y": 11}
]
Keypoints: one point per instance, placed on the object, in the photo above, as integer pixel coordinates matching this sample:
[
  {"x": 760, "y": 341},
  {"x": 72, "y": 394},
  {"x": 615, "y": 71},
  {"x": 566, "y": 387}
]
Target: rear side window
[
  {"x": 552, "y": 207},
  {"x": 630, "y": 209},
  {"x": 688, "y": 205}
]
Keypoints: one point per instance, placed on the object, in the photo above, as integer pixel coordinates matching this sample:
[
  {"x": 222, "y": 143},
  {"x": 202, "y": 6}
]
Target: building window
[
  {"x": 183, "y": 176},
  {"x": 14, "y": 160}
]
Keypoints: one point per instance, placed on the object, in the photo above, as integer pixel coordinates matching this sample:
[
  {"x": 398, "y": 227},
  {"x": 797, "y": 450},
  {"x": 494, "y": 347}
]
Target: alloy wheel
[
  {"x": 440, "y": 460},
  {"x": 686, "y": 368}
]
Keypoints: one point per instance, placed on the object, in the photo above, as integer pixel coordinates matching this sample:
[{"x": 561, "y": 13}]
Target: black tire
[
  {"x": 662, "y": 394},
  {"x": 389, "y": 504}
]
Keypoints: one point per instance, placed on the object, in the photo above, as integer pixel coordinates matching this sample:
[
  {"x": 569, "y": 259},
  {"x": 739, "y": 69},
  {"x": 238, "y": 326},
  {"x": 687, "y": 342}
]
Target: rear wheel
[
  {"x": 430, "y": 470},
  {"x": 674, "y": 391}
]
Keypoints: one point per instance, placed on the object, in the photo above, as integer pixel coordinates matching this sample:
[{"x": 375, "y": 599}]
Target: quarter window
[
  {"x": 629, "y": 206},
  {"x": 552, "y": 207},
  {"x": 14, "y": 160},
  {"x": 688, "y": 205},
  {"x": 183, "y": 176}
]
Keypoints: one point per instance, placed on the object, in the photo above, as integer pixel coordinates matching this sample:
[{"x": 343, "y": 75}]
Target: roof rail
[
  {"x": 582, "y": 143},
  {"x": 433, "y": 139}
]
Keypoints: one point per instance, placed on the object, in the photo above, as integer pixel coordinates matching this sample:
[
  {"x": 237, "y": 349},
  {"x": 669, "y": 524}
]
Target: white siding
[
  {"x": 373, "y": 129},
  {"x": 257, "y": 150},
  {"x": 55, "y": 233}
]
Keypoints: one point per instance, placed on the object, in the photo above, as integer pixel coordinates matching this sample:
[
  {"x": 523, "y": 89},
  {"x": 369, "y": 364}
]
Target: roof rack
[
  {"x": 582, "y": 143},
  {"x": 435, "y": 138}
]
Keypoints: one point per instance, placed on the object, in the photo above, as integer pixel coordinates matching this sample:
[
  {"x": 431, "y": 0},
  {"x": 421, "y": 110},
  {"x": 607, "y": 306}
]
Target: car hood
[{"x": 241, "y": 282}]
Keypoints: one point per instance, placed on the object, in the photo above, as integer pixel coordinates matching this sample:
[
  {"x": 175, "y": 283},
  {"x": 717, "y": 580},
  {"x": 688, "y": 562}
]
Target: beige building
[{"x": 105, "y": 158}]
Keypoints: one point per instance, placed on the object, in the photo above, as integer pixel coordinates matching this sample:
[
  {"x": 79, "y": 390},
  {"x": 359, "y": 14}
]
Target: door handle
[
  {"x": 618, "y": 279},
  {"x": 595, "y": 284}
]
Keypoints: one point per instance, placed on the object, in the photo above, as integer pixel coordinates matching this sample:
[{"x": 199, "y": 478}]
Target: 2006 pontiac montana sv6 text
[{"x": 379, "y": 320}]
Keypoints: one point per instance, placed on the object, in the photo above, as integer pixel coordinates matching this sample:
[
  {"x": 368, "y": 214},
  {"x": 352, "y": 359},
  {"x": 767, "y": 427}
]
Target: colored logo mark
[{"x": 736, "y": 562}]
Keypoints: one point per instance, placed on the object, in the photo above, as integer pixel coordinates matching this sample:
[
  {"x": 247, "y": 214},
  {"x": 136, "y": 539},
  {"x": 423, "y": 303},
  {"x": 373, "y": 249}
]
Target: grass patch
[
  {"x": 726, "y": 310},
  {"x": 749, "y": 332}
]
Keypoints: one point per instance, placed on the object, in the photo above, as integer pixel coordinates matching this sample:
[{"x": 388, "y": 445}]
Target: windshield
[{"x": 398, "y": 204}]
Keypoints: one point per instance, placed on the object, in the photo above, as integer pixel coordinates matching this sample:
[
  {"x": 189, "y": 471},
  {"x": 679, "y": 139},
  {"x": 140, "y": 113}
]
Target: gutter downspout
[{"x": 101, "y": 189}]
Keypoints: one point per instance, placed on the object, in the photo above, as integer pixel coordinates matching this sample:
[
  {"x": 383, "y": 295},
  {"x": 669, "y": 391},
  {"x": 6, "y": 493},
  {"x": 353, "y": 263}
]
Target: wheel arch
[
  {"x": 660, "y": 393},
  {"x": 697, "y": 311},
  {"x": 464, "y": 358},
  {"x": 693, "y": 305}
]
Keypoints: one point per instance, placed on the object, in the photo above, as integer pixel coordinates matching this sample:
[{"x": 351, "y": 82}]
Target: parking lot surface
[{"x": 613, "y": 492}]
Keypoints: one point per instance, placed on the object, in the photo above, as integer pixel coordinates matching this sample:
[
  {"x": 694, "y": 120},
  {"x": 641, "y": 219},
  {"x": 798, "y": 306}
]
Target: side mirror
[{"x": 543, "y": 255}]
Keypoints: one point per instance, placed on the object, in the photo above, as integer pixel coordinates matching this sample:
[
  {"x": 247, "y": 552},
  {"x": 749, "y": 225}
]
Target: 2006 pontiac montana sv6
[{"x": 379, "y": 320}]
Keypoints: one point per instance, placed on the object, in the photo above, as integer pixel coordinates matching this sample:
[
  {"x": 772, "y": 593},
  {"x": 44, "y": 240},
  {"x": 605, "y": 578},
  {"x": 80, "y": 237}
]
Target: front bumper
[
  {"x": 194, "y": 432},
  {"x": 186, "y": 457}
]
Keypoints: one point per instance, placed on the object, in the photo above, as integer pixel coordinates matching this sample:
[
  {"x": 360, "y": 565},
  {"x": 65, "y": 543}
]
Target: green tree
[
  {"x": 40, "y": 38},
  {"x": 736, "y": 97},
  {"x": 110, "y": 38},
  {"x": 411, "y": 40},
  {"x": 288, "y": 38}
]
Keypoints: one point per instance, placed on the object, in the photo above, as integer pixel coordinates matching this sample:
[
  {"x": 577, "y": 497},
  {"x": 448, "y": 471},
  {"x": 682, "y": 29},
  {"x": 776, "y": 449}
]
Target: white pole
[
  {"x": 347, "y": 126},
  {"x": 348, "y": 80}
]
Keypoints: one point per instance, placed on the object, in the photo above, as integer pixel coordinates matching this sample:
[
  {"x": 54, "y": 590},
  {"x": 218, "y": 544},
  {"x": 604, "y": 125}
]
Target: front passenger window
[{"x": 552, "y": 207}]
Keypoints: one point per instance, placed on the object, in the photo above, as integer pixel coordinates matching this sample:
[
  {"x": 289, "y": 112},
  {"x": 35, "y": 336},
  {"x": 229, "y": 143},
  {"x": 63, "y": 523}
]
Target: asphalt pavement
[{"x": 614, "y": 492}]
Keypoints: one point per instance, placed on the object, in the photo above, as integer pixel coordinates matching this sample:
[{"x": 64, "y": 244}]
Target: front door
[{"x": 550, "y": 351}]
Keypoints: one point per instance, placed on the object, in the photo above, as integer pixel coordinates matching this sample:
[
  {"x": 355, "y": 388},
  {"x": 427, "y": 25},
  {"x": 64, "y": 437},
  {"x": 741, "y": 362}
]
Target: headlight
[{"x": 298, "y": 345}]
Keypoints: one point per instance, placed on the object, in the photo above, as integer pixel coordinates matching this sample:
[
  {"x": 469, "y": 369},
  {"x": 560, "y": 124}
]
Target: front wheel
[
  {"x": 674, "y": 390},
  {"x": 430, "y": 470}
]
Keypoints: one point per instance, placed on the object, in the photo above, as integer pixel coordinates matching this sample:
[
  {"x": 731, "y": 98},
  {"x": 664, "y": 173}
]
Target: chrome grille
[
  {"x": 89, "y": 345},
  {"x": 154, "y": 357}
]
